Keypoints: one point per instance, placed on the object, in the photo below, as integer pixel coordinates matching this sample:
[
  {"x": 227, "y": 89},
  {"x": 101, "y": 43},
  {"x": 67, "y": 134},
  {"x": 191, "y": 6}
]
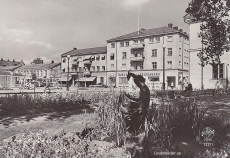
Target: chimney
[
  {"x": 13, "y": 60},
  {"x": 74, "y": 48},
  {"x": 181, "y": 30},
  {"x": 52, "y": 62},
  {"x": 170, "y": 25},
  {"x": 175, "y": 28},
  {"x": 1, "y": 59}
]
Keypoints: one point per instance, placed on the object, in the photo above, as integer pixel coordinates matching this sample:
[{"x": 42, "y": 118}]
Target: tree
[
  {"x": 214, "y": 30},
  {"x": 37, "y": 61}
]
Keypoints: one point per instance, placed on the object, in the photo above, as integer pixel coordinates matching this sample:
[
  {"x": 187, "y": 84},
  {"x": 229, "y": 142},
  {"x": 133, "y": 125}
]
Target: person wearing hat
[{"x": 137, "y": 108}]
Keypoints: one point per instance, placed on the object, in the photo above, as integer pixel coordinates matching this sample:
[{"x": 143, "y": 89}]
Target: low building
[
  {"x": 44, "y": 72},
  {"x": 6, "y": 63},
  {"x": 8, "y": 78},
  {"x": 86, "y": 66}
]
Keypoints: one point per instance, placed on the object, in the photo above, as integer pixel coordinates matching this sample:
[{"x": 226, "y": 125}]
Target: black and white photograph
[{"x": 114, "y": 79}]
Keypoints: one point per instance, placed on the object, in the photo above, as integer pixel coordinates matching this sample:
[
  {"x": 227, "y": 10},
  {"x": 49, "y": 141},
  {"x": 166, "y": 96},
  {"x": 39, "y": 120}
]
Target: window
[
  {"x": 135, "y": 41},
  {"x": 124, "y": 55},
  {"x": 135, "y": 67},
  {"x": 151, "y": 40},
  {"x": 112, "y": 56},
  {"x": 63, "y": 60},
  {"x": 63, "y": 70},
  {"x": 141, "y": 66},
  {"x": 179, "y": 51},
  {"x": 123, "y": 80},
  {"x": 103, "y": 68},
  {"x": 142, "y": 41},
  {"x": 112, "y": 45},
  {"x": 123, "y": 66},
  {"x": 101, "y": 79},
  {"x": 180, "y": 38},
  {"x": 179, "y": 63},
  {"x": 154, "y": 64},
  {"x": 157, "y": 39},
  {"x": 103, "y": 57},
  {"x": 93, "y": 58},
  {"x": 98, "y": 68},
  {"x": 126, "y": 44},
  {"x": 93, "y": 68},
  {"x": 169, "y": 64},
  {"x": 218, "y": 71},
  {"x": 154, "y": 53},
  {"x": 170, "y": 38},
  {"x": 112, "y": 66},
  {"x": 121, "y": 44},
  {"x": 98, "y": 57},
  {"x": 169, "y": 51}
]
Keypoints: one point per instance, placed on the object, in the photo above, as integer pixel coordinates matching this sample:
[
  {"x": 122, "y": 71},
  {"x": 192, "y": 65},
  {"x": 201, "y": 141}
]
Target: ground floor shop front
[{"x": 174, "y": 79}]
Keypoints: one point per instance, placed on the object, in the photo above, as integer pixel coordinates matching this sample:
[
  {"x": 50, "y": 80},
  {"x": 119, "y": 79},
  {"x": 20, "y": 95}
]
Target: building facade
[
  {"x": 86, "y": 66},
  {"x": 209, "y": 76},
  {"x": 43, "y": 72},
  {"x": 144, "y": 52}
]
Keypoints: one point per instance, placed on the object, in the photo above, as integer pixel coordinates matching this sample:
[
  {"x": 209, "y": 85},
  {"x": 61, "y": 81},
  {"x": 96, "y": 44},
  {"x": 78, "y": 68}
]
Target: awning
[
  {"x": 64, "y": 78},
  {"x": 83, "y": 79}
]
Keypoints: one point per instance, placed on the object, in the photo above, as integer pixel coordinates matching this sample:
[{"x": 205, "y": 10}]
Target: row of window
[
  {"x": 169, "y": 65},
  {"x": 141, "y": 41},
  {"x": 151, "y": 40},
  {"x": 92, "y": 58}
]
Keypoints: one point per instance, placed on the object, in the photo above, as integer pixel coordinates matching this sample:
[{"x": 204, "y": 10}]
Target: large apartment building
[
  {"x": 142, "y": 53},
  {"x": 86, "y": 66}
]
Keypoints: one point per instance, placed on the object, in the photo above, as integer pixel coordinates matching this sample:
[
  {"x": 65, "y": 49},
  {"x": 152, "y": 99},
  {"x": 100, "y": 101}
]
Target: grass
[{"x": 168, "y": 126}]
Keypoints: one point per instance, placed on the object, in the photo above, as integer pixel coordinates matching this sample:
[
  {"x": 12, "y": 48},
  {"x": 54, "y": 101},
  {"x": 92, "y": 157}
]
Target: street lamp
[
  {"x": 164, "y": 46},
  {"x": 67, "y": 82},
  {"x": 227, "y": 77}
]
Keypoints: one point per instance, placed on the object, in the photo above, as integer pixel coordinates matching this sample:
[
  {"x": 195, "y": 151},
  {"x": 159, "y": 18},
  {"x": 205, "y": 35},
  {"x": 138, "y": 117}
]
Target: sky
[{"x": 46, "y": 29}]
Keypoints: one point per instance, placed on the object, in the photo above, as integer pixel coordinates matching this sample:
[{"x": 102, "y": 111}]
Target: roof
[
  {"x": 86, "y": 51},
  {"x": 10, "y": 63},
  {"x": 147, "y": 33},
  {"x": 38, "y": 66},
  {"x": 8, "y": 68}
]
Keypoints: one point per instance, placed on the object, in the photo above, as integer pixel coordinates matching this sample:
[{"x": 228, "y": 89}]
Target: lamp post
[
  {"x": 67, "y": 82},
  {"x": 227, "y": 77},
  {"x": 85, "y": 75},
  {"x": 164, "y": 46}
]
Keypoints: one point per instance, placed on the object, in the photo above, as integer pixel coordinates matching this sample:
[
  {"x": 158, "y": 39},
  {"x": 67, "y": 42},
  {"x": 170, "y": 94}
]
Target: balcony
[
  {"x": 75, "y": 63},
  {"x": 138, "y": 58},
  {"x": 137, "y": 46},
  {"x": 87, "y": 62}
]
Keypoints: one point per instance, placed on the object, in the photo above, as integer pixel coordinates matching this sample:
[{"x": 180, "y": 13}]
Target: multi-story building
[
  {"x": 209, "y": 76},
  {"x": 86, "y": 66},
  {"x": 143, "y": 51}
]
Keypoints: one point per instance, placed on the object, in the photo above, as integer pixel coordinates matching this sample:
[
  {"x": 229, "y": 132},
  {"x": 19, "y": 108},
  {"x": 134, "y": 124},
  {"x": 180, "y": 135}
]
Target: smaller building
[
  {"x": 8, "y": 77},
  {"x": 6, "y": 63},
  {"x": 43, "y": 72}
]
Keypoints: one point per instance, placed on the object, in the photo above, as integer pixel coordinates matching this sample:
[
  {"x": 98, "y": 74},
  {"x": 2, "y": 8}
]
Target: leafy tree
[
  {"x": 37, "y": 61},
  {"x": 214, "y": 30}
]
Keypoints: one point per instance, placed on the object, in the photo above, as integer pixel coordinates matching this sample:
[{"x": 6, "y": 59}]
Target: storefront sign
[{"x": 142, "y": 73}]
